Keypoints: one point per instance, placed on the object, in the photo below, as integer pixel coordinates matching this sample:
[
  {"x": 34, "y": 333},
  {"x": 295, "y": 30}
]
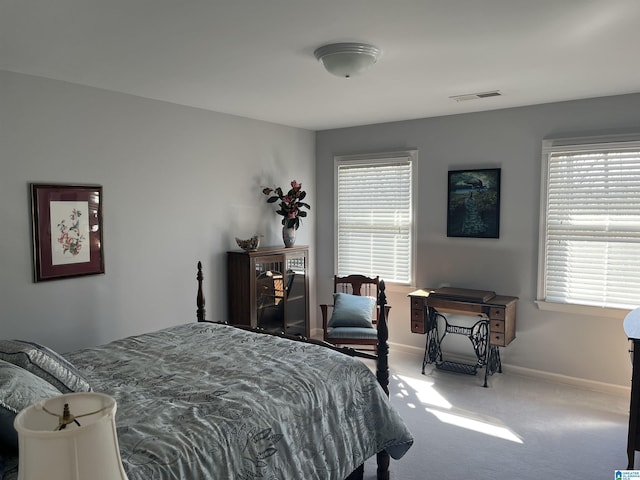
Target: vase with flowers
[{"x": 290, "y": 208}]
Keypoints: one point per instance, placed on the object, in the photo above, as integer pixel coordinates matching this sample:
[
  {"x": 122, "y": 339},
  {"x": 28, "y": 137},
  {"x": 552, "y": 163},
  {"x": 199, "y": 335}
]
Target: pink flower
[{"x": 295, "y": 184}]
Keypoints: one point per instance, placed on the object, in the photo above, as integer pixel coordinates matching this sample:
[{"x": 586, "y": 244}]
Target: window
[
  {"x": 589, "y": 251},
  {"x": 374, "y": 215}
]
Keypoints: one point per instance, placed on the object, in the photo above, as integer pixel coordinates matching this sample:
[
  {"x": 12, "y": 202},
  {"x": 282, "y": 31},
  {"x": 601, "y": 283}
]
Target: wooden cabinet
[
  {"x": 633, "y": 436},
  {"x": 269, "y": 289}
]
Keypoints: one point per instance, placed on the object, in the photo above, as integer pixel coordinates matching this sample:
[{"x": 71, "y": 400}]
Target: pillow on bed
[
  {"x": 18, "y": 389},
  {"x": 352, "y": 311},
  {"x": 45, "y": 363}
]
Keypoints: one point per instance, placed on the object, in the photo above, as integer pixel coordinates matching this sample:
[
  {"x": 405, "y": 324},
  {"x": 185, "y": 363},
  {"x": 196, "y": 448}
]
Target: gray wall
[
  {"x": 179, "y": 185},
  {"x": 586, "y": 347}
]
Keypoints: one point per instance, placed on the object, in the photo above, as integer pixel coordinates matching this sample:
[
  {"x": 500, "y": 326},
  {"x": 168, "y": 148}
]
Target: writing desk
[{"x": 496, "y": 327}]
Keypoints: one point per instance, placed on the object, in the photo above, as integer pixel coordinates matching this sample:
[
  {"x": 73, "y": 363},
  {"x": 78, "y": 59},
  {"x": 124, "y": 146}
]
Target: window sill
[{"x": 601, "y": 312}]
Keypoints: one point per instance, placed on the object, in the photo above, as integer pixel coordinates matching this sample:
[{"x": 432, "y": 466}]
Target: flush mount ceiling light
[{"x": 347, "y": 59}]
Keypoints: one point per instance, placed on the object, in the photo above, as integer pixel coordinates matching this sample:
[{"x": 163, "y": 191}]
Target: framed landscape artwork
[
  {"x": 473, "y": 207},
  {"x": 67, "y": 231}
]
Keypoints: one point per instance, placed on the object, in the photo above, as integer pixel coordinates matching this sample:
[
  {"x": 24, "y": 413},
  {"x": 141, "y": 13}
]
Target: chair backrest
[{"x": 357, "y": 285}]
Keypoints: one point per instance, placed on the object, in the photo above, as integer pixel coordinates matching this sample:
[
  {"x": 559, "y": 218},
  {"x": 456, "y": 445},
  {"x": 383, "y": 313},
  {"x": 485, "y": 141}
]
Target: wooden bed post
[
  {"x": 382, "y": 371},
  {"x": 200, "y": 312},
  {"x": 382, "y": 365}
]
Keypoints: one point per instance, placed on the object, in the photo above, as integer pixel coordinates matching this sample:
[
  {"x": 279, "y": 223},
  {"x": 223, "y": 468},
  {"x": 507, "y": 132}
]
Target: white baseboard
[{"x": 583, "y": 383}]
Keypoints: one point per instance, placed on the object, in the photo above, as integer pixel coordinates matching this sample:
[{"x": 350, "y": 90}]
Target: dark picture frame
[
  {"x": 67, "y": 230},
  {"x": 473, "y": 203}
]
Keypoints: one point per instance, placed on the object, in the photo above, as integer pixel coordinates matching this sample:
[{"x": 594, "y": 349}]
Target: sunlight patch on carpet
[
  {"x": 415, "y": 391},
  {"x": 486, "y": 426}
]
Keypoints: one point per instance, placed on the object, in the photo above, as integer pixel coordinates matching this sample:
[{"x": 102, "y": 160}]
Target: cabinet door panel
[
  {"x": 296, "y": 295},
  {"x": 270, "y": 300}
]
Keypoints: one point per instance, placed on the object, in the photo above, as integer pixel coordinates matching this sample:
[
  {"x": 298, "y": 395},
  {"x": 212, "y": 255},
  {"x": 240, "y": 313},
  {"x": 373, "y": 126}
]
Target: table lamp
[
  {"x": 69, "y": 437},
  {"x": 631, "y": 324}
]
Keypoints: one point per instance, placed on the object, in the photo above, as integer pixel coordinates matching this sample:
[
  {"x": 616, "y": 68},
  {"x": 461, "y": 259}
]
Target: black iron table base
[{"x": 488, "y": 356}]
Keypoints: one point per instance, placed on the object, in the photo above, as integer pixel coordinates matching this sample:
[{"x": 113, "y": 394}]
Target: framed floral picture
[
  {"x": 67, "y": 231},
  {"x": 473, "y": 208}
]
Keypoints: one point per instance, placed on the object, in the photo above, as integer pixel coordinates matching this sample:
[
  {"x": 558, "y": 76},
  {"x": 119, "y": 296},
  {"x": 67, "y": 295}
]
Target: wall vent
[{"x": 476, "y": 96}]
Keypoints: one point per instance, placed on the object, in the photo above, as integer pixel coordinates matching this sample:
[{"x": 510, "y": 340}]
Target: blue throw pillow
[
  {"x": 352, "y": 311},
  {"x": 18, "y": 389},
  {"x": 45, "y": 363}
]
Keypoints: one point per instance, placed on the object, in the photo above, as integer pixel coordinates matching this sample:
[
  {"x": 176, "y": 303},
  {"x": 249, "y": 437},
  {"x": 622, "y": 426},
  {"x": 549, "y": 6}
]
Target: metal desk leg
[
  {"x": 432, "y": 351},
  {"x": 478, "y": 335}
]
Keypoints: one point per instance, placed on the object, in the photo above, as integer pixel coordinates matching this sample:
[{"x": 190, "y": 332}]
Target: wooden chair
[{"x": 345, "y": 322}]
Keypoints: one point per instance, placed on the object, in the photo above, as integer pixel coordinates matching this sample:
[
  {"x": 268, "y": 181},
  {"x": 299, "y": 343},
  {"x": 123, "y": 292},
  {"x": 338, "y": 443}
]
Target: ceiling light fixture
[{"x": 347, "y": 59}]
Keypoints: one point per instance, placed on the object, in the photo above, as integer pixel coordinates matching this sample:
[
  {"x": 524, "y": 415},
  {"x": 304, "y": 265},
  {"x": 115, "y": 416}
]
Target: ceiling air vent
[{"x": 475, "y": 96}]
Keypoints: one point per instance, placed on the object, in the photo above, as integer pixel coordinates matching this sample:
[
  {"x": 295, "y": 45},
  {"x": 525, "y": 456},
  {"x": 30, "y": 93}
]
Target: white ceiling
[{"x": 254, "y": 58}]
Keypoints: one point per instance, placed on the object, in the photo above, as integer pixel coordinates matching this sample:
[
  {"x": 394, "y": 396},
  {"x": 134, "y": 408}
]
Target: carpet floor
[{"x": 517, "y": 428}]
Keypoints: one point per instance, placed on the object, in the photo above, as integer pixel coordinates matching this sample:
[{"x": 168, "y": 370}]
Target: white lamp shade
[
  {"x": 347, "y": 59},
  {"x": 631, "y": 324},
  {"x": 86, "y": 452}
]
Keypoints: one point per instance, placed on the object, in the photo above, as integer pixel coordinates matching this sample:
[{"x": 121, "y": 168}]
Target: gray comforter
[{"x": 205, "y": 401}]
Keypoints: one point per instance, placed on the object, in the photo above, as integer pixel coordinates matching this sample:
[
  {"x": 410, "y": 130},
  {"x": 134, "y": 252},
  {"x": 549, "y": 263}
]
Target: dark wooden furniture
[
  {"x": 633, "y": 440},
  {"x": 269, "y": 289},
  {"x": 381, "y": 357},
  {"x": 496, "y": 327},
  {"x": 355, "y": 285}
]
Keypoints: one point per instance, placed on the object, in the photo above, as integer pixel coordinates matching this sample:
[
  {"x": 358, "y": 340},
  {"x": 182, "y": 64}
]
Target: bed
[{"x": 207, "y": 400}]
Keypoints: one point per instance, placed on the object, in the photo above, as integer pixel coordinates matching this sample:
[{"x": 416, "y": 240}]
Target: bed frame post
[
  {"x": 200, "y": 312},
  {"x": 382, "y": 371},
  {"x": 382, "y": 365}
]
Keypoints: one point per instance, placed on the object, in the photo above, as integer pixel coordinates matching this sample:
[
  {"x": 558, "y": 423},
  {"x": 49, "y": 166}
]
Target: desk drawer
[
  {"x": 418, "y": 302},
  {"x": 417, "y": 326},
  {"x": 497, "y": 339},
  {"x": 496, "y": 313},
  {"x": 417, "y": 315},
  {"x": 497, "y": 326}
]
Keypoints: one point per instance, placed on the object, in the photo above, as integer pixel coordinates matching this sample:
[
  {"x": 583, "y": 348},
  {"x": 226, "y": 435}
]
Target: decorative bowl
[{"x": 250, "y": 244}]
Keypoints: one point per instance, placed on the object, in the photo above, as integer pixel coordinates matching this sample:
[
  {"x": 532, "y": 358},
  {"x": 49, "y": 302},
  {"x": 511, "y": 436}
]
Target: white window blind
[
  {"x": 374, "y": 216},
  {"x": 590, "y": 252}
]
